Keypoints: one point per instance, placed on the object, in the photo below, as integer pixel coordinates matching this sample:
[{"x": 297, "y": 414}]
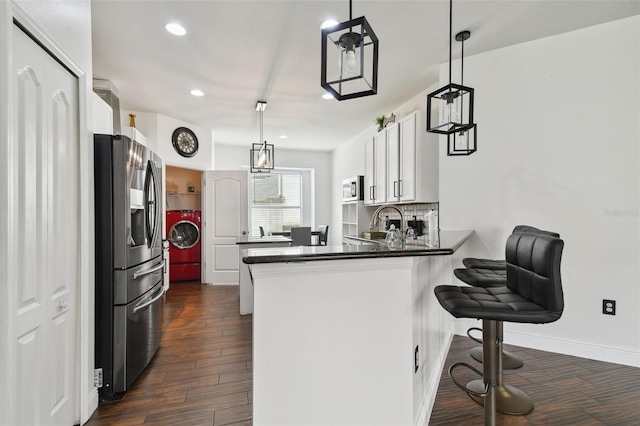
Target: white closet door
[{"x": 44, "y": 237}]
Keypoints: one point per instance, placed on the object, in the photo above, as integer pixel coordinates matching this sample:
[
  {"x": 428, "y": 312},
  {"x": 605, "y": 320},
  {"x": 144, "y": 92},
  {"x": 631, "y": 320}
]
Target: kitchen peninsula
[
  {"x": 246, "y": 287},
  {"x": 349, "y": 334}
]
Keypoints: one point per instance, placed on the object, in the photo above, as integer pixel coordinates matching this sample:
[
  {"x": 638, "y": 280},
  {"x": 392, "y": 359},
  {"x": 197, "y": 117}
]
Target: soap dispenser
[{"x": 393, "y": 239}]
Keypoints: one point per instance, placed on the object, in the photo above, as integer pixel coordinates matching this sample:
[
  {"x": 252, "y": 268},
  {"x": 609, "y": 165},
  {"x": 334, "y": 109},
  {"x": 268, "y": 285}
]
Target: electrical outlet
[
  {"x": 416, "y": 360},
  {"x": 608, "y": 307}
]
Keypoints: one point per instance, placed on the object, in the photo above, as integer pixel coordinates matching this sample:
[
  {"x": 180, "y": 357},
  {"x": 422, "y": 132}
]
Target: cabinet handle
[
  {"x": 394, "y": 188},
  {"x": 400, "y": 188}
]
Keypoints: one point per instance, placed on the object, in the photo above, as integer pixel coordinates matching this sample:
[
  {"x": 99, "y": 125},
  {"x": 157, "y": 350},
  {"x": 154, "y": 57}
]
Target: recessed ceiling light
[
  {"x": 176, "y": 29},
  {"x": 327, "y": 96},
  {"x": 329, "y": 23},
  {"x": 196, "y": 92},
  {"x": 282, "y": 136}
]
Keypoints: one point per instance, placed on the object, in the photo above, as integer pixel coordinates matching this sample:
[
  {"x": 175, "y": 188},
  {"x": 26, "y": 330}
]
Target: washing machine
[{"x": 183, "y": 233}]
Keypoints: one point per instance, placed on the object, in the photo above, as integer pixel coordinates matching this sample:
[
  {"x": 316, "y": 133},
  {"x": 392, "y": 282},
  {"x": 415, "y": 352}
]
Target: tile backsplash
[{"x": 411, "y": 211}]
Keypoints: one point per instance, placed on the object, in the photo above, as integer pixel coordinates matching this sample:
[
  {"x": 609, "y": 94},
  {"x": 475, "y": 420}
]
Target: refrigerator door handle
[
  {"x": 152, "y": 206},
  {"x": 157, "y": 206},
  {"x": 150, "y": 302},
  {"x": 143, "y": 272}
]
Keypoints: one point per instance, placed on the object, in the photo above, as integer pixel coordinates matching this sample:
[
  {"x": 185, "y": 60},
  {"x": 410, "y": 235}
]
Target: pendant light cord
[
  {"x": 261, "y": 139},
  {"x": 462, "y": 83},
  {"x": 350, "y": 10},
  {"x": 450, "y": 34},
  {"x": 462, "y": 65}
]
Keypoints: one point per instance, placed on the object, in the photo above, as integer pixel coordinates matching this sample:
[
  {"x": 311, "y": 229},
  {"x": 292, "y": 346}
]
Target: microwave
[{"x": 352, "y": 189}]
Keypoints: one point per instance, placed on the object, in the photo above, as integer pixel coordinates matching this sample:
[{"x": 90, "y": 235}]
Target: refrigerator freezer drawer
[
  {"x": 131, "y": 283},
  {"x": 136, "y": 336}
]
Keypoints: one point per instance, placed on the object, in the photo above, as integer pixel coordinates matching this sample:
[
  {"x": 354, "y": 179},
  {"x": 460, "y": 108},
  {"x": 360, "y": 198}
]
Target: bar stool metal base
[
  {"x": 509, "y": 360},
  {"x": 509, "y": 399}
]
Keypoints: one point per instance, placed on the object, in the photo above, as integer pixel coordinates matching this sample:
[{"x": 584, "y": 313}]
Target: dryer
[{"x": 183, "y": 233}]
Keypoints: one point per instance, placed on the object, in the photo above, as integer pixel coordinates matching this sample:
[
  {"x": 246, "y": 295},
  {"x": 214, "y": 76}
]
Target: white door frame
[
  {"x": 209, "y": 253},
  {"x": 87, "y": 396}
]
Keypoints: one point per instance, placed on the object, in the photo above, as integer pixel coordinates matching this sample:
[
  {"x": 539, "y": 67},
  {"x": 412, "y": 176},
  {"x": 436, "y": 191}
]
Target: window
[{"x": 276, "y": 201}]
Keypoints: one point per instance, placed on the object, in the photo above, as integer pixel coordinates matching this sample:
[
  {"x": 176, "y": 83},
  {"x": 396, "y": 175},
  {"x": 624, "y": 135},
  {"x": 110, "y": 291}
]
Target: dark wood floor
[
  {"x": 566, "y": 390},
  {"x": 201, "y": 375}
]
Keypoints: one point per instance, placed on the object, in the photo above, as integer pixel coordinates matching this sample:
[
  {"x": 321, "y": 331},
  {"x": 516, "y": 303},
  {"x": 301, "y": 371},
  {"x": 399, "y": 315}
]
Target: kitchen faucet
[{"x": 375, "y": 219}]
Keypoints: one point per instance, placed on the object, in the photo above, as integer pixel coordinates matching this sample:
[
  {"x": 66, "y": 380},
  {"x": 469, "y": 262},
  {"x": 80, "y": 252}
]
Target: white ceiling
[{"x": 238, "y": 52}]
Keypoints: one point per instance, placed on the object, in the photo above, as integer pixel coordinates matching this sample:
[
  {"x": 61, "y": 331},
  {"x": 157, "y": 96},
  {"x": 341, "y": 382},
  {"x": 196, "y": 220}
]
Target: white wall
[
  {"x": 67, "y": 23},
  {"x": 558, "y": 148},
  {"x": 158, "y": 128},
  {"x": 230, "y": 157}
]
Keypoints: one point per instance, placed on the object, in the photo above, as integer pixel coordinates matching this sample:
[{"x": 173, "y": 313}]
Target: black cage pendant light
[
  {"x": 465, "y": 141},
  {"x": 262, "y": 154},
  {"x": 453, "y": 103},
  {"x": 350, "y": 59}
]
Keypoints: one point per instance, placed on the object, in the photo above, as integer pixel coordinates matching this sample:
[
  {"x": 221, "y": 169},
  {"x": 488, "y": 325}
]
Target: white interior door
[
  {"x": 43, "y": 236},
  {"x": 226, "y": 217}
]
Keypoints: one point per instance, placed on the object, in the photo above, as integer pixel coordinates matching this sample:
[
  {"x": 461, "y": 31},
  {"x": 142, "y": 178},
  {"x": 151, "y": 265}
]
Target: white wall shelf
[{"x": 355, "y": 218}]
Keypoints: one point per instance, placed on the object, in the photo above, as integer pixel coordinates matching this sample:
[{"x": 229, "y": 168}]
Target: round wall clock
[{"x": 185, "y": 142}]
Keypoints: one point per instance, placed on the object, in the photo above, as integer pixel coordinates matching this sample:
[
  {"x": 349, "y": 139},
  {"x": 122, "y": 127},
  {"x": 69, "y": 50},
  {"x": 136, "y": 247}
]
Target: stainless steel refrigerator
[{"x": 129, "y": 263}]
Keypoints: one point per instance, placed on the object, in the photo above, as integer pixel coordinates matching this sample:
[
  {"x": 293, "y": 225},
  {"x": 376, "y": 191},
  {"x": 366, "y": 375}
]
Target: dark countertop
[
  {"x": 262, "y": 240},
  {"x": 450, "y": 241}
]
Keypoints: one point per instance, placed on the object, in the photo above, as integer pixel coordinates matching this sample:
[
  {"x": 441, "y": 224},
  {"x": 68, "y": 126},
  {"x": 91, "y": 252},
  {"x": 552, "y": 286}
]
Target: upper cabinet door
[
  {"x": 407, "y": 157},
  {"x": 393, "y": 164},
  {"x": 420, "y": 159},
  {"x": 380, "y": 185},
  {"x": 375, "y": 170},
  {"x": 369, "y": 172},
  {"x": 401, "y": 160}
]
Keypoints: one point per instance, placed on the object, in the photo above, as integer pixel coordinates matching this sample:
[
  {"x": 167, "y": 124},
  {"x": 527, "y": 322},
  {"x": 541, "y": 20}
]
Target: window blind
[{"x": 276, "y": 202}]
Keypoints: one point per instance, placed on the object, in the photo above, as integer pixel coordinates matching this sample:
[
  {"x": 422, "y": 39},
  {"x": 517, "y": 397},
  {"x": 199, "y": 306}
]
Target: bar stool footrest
[
  {"x": 475, "y": 339},
  {"x": 470, "y": 392}
]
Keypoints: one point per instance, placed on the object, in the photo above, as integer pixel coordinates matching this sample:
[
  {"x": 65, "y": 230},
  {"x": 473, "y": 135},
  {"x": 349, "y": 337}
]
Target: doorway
[{"x": 183, "y": 223}]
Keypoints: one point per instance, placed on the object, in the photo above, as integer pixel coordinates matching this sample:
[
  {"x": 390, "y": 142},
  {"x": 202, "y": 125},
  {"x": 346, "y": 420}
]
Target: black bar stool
[
  {"x": 487, "y": 278},
  {"x": 533, "y": 294},
  {"x": 492, "y": 273},
  {"x": 476, "y": 263}
]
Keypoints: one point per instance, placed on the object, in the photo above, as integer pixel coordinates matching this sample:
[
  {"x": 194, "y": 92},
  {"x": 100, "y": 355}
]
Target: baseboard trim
[
  {"x": 424, "y": 415},
  {"x": 582, "y": 350},
  {"x": 92, "y": 406}
]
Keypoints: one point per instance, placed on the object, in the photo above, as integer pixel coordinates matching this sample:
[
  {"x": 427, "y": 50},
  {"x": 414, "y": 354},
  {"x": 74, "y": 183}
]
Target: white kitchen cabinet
[
  {"x": 408, "y": 170},
  {"x": 411, "y": 161},
  {"x": 102, "y": 115},
  {"x": 355, "y": 218},
  {"x": 380, "y": 180},
  {"x": 369, "y": 172},
  {"x": 393, "y": 163},
  {"x": 375, "y": 170}
]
